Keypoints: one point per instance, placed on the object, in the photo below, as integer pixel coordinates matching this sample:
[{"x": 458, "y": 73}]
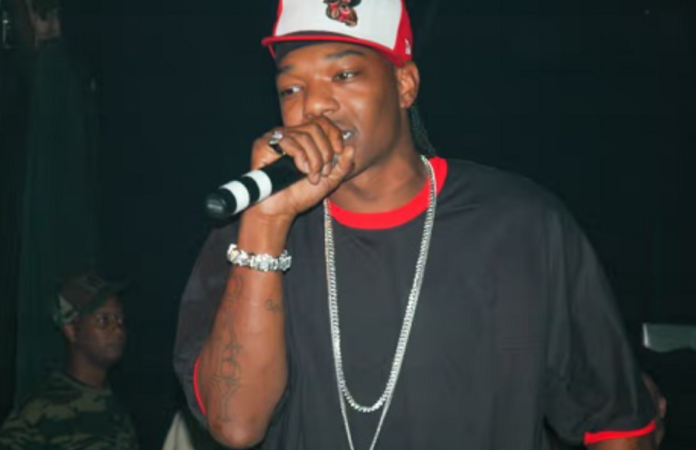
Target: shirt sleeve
[
  {"x": 594, "y": 390},
  {"x": 197, "y": 309}
]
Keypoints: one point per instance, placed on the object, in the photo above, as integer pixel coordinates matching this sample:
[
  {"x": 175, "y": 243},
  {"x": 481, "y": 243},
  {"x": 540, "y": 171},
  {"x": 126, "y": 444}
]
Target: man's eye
[
  {"x": 289, "y": 91},
  {"x": 343, "y": 76}
]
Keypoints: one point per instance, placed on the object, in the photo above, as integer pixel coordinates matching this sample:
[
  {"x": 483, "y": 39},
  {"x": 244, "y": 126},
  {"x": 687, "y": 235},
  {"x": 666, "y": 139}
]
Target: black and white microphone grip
[{"x": 252, "y": 187}]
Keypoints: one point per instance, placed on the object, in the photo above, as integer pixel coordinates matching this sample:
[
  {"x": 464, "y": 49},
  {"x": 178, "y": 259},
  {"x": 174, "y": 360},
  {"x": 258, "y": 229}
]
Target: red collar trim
[{"x": 395, "y": 217}]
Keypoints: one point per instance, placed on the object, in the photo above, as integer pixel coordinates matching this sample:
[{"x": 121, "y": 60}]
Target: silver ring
[{"x": 274, "y": 140}]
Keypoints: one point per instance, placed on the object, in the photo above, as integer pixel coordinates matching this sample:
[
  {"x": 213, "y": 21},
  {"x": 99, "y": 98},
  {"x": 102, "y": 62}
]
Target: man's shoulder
[
  {"x": 497, "y": 189},
  {"x": 53, "y": 395},
  {"x": 25, "y": 425},
  {"x": 51, "y": 411},
  {"x": 58, "y": 392}
]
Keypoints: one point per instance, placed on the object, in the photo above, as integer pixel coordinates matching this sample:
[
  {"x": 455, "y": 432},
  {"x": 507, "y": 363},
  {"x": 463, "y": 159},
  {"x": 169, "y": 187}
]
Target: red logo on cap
[{"x": 343, "y": 11}]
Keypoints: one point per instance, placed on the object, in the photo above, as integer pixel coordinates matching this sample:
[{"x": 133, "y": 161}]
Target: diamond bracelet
[{"x": 263, "y": 262}]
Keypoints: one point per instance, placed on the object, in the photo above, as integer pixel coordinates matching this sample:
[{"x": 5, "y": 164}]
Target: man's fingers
[
  {"x": 315, "y": 148},
  {"x": 291, "y": 147},
  {"x": 311, "y": 148},
  {"x": 333, "y": 134},
  {"x": 324, "y": 146},
  {"x": 302, "y": 149},
  {"x": 345, "y": 162}
]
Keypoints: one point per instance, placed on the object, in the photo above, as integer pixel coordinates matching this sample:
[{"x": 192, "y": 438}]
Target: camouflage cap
[{"x": 83, "y": 294}]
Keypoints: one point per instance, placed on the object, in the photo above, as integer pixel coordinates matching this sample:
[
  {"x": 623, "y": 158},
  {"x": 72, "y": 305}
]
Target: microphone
[{"x": 255, "y": 186}]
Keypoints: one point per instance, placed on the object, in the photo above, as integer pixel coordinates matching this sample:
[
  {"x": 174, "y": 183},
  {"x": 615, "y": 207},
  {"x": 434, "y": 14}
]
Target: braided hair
[{"x": 421, "y": 139}]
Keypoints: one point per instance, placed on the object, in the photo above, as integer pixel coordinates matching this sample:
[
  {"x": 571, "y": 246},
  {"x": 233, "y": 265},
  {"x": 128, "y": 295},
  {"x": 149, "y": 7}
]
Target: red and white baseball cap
[{"x": 383, "y": 25}]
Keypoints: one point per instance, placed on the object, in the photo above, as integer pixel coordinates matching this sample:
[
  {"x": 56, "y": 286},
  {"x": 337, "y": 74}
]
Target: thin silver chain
[{"x": 385, "y": 399}]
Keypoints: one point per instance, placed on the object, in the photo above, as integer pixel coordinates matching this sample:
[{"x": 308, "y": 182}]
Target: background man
[{"x": 75, "y": 408}]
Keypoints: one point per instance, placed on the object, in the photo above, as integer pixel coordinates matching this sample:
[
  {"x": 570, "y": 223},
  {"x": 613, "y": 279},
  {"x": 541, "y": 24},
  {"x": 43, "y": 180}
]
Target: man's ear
[
  {"x": 70, "y": 332},
  {"x": 408, "y": 83}
]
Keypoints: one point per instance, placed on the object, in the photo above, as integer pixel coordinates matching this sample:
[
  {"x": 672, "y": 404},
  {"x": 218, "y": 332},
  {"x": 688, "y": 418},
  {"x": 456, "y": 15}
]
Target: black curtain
[
  {"x": 58, "y": 220},
  {"x": 15, "y": 67}
]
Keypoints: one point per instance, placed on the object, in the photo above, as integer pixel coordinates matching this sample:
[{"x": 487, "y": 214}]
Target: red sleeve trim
[
  {"x": 196, "y": 391},
  {"x": 593, "y": 438}
]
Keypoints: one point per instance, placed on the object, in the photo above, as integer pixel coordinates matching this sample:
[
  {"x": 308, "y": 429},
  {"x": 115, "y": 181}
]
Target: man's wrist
[
  {"x": 260, "y": 234},
  {"x": 261, "y": 262}
]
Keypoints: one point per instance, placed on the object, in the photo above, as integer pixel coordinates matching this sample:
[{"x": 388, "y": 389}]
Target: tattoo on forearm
[
  {"x": 234, "y": 288},
  {"x": 274, "y": 306},
  {"x": 226, "y": 378},
  {"x": 227, "y": 375}
]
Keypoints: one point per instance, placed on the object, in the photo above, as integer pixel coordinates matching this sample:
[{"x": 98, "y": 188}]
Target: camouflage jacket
[{"x": 67, "y": 415}]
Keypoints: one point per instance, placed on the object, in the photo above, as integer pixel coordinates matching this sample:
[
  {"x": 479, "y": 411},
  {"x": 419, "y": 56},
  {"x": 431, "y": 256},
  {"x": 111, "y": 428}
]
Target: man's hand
[
  {"x": 318, "y": 150},
  {"x": 638, "y": 443}
]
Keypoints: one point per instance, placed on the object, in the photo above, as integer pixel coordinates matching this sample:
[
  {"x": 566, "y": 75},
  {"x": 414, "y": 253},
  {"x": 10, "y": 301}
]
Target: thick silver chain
[{"x": 343, "y": 392}]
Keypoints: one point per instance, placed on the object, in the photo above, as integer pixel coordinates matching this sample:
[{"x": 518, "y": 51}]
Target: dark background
[{"x": 595, "y": 100}]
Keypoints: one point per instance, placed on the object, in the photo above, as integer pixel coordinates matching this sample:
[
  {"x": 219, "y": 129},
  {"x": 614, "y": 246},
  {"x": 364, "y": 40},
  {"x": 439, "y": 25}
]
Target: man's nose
[
  {"x": 319, "y": 100},
  {"x": 117, "y": 326}
]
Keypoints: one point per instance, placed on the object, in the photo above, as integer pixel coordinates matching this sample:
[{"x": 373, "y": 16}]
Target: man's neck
[
  {"x": 86, "y": 373},
  {"x": 385, "y": 186}
]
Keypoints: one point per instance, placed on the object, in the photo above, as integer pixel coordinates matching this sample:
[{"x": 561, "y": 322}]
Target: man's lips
[{"x": 116, "y": 344}]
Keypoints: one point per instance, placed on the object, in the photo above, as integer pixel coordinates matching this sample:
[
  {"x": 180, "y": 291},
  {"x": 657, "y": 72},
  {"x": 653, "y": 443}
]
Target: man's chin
[{"x": 112, "y": 355}]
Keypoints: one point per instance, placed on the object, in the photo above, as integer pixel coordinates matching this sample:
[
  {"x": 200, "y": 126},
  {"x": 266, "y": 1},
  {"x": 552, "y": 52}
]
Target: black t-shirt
[{"x": 515, "y": 326}]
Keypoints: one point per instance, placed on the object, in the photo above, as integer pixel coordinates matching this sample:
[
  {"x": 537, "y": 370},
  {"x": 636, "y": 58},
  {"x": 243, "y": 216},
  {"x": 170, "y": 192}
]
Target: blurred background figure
[
  {"x": 44, "y": 20},
  {"x": 75, "y": 408}
]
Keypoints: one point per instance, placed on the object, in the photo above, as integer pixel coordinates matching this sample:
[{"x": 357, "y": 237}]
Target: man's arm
[
  {"x": 242, "y": 370},
  {"x": 242, "y": 366},
  {"x": 596, "y": 394},
  {"x": 638, "y": 443}
]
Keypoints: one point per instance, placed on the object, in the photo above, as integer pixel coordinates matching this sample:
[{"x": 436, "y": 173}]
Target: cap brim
[
  {"x": 64, "y": 317},
  {"x": 386, "y": 52},
  {"x": 104, "y": 294}
]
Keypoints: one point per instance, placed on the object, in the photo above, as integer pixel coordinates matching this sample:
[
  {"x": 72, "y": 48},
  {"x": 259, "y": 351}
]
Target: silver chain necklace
[{"x": 385, "y": 399}]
